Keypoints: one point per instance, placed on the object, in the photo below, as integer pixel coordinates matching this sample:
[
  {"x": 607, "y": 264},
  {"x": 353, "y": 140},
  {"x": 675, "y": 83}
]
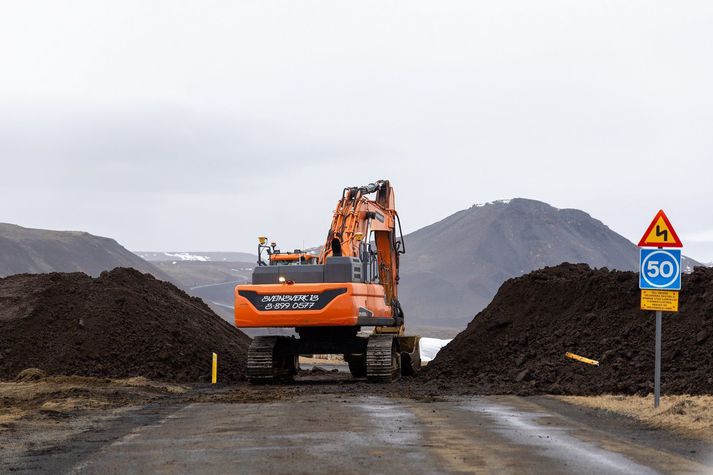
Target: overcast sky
[{"x": 201, "y": 125}]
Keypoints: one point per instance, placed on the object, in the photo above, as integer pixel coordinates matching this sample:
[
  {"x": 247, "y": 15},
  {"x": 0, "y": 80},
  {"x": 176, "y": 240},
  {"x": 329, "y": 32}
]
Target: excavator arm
[{"x": 358, "y": 220}]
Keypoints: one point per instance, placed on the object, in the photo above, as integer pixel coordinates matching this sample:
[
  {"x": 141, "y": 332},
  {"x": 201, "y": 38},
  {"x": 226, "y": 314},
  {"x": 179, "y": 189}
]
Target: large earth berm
[
  {"x": 518, "y": 343},
  {"x": 121, "y": 324}
]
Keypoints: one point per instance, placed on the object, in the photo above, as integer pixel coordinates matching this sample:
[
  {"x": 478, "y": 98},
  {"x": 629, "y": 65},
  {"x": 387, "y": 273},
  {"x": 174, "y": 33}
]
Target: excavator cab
[{"x": 329, "y": 299}]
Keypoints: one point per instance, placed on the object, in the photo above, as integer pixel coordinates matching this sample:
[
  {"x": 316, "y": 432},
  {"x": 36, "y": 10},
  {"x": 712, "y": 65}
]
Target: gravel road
[{"x": 356, "y": 433}]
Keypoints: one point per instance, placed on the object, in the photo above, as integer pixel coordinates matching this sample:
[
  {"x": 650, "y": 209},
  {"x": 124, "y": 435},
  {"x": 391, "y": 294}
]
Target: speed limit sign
[
  {"x": 659, "y": 280},
  {"x": 660, "y": 269}
]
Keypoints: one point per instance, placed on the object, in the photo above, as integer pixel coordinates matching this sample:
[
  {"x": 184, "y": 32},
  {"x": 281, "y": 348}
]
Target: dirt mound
[
  {"x": 517, "y": 344},
  {"x": 121, "y": 324}
]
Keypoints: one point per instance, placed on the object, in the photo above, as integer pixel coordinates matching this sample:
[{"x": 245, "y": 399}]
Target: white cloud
[
  {"x": 701, "y": 236},
  {"x": 199, "y": 125}
]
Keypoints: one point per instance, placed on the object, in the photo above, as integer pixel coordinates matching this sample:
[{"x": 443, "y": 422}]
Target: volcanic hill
[{"x": 453, "y": 268}]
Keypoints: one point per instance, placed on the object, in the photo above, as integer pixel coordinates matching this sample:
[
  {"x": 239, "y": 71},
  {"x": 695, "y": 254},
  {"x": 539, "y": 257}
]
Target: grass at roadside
[
  {"x": 41, "y": 396},
  {"x": 691, "y": 416}
]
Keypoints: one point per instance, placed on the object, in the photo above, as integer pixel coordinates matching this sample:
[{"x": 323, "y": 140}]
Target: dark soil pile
[
  {"x": 121, "y": 324},
  {"x": 517, "y": 344}
]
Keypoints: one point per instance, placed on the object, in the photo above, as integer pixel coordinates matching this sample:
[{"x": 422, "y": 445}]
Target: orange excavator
[{"x": 329, "y": 298}]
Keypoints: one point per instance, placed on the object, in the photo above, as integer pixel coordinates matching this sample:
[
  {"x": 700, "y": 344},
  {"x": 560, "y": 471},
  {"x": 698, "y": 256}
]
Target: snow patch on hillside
[
  {"x": 184, "y": 256},
  {"x": 480, "y": 205}
]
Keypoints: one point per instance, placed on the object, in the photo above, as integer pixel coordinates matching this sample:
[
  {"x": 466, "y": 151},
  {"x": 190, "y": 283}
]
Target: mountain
[
  {"x": 198, "y": 274},
  {"x": 214, "y": 282},
  {"x": 178, "y": 256},
  {"x": 211, "y": 276},
  {"x": 453, "y": 268},
  {"x": 34, "y": 251}
]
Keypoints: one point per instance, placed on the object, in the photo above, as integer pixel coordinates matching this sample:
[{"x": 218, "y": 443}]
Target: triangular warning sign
[{"x": 660, "y": 233}]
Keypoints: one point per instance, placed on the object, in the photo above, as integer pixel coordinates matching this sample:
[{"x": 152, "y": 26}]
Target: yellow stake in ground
[
  {"x": 582, "y": 359},
  {"x": 214, "y": 373}
]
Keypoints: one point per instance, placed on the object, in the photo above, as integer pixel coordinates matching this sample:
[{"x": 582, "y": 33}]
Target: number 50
[{"x": 656, "y": 268}]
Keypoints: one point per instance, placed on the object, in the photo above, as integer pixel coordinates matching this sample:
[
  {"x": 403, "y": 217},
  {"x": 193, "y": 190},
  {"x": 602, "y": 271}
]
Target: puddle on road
[
  {"x": 371, "y": 428},
  {"x": 522, "y": 427},
  {"x": 395, "y": 425}
]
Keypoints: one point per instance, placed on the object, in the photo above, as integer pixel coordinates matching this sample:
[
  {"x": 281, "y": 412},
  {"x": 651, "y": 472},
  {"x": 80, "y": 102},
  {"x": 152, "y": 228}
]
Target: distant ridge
[
  {"x": 34, "y": 251},
  {"x": 199, "y": 256}
]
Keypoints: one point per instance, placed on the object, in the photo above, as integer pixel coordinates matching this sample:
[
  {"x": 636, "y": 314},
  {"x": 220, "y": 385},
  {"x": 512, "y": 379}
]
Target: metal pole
[{"x": 657, "y": 370}]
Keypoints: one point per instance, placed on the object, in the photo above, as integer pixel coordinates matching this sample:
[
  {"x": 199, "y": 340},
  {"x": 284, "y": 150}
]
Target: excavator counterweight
[{"x": 330, "y": 298}]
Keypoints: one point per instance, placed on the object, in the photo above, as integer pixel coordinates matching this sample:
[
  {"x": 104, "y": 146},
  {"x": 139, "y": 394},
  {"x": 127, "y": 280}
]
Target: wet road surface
[{"x": 372, "y": 434}]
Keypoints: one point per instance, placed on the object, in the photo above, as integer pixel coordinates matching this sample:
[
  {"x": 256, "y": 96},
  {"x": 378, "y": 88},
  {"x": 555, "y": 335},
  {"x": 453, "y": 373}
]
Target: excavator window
[
  {"x": 336, "y": 247},
  {"x": 369, "y": 259}
]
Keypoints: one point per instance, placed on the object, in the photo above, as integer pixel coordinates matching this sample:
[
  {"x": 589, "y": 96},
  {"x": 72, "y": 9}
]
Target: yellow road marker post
[
  {"x": 214, "y": 373},
  {"x": 582, "y": 359}
]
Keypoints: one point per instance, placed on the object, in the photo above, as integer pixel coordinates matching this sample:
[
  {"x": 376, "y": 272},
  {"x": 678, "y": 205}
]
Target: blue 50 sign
[{"x": 660, "y": 269}]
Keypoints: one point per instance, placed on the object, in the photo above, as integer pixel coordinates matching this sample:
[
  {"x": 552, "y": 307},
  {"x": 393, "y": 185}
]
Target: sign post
[{"x": 659, "y": 279}]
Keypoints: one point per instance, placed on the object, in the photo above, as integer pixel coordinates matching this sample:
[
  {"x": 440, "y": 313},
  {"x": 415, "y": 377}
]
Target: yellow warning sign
[
  {"x": 660, "y": 233},
  {"x": 663, "y": 300}
]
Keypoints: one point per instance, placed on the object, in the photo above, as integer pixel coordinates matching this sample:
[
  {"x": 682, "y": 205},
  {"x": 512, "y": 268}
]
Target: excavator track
[
  {"x": 383, "y": 362},
  {"x": 270, "y": 361}
]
